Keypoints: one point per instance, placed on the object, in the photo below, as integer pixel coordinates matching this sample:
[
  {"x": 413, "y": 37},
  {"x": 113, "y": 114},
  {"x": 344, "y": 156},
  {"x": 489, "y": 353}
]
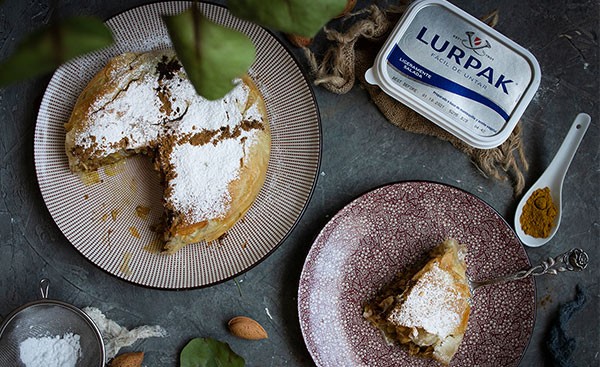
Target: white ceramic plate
[
  {"x": 100, "y": 220},
  {"x": 388, "y": 230}
]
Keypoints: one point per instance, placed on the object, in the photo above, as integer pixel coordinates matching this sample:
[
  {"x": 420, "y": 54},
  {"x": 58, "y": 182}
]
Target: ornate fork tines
[{"x": 573, "y": 260}]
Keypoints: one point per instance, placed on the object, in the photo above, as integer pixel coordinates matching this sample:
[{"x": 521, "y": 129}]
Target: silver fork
[{"x": 573, "y": 260}]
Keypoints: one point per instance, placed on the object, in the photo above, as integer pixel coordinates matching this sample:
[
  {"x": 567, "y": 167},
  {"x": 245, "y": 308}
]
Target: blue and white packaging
[{"x": 457, "y": 72}]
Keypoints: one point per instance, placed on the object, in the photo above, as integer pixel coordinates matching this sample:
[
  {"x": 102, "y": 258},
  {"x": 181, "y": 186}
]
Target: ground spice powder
[{"x": 538, "y": 214}]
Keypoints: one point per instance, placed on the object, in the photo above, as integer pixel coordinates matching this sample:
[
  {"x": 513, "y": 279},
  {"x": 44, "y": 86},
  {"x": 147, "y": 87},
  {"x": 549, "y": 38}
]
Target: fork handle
[{"x": 573, "y": 260}]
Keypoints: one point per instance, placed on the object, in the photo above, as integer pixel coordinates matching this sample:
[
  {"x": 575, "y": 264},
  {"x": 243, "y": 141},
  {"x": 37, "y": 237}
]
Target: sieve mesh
[{"x": 50, "y": 318}]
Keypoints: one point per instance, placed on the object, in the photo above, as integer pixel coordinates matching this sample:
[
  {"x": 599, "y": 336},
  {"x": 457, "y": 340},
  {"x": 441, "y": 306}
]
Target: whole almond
[
  {"x": 246, "y": 328},
  {"x": 133, "y": 359}
]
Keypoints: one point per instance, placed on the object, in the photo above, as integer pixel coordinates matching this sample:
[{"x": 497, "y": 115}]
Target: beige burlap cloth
[{"x": 352, "y": 51}]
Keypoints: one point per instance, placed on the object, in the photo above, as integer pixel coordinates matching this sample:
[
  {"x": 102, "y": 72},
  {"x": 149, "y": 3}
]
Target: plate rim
[
  {"x": 302, "y": 278},
  {"x": 310, "y": 88}
]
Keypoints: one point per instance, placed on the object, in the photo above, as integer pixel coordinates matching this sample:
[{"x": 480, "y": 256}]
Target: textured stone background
[{"x": 360, "y": 151}]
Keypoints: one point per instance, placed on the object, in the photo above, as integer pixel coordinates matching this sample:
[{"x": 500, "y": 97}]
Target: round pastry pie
[{"x": 212, "y": 155}]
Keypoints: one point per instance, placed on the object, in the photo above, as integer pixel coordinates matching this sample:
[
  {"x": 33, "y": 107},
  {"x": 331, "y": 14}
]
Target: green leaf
[
  {"x": 207, "y": 352},
  {"x": 46, "y": 49},
  {"x": 212, "y": 55},
  {"x": 300, "y": 17}
]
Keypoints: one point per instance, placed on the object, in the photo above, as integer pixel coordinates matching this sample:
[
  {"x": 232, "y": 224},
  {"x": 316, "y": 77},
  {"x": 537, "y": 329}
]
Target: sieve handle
[{"x": 44, "y": 286}]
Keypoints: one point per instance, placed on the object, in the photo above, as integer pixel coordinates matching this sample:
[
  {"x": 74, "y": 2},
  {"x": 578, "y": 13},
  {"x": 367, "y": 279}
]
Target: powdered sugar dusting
[
  {"x": 203, "y": 175},
  {"x": 157, "y": 105},
  {"x": 200, "y": 188},
  {"x": 132, "y": 114},
  {"x": 209, "y": 115},
  {"x": 161, "y": 41},
  {"x": 430, "y": 304},
  {"x": 253, "y": 113}
]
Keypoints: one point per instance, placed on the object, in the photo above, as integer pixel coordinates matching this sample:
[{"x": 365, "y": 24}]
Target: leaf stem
[{"x": 196, "y": 17}]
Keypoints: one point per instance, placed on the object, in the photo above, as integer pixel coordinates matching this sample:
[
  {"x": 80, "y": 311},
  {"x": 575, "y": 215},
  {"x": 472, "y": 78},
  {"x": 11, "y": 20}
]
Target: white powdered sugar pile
[
  {"x": 430, "y": 304},
  {"x": 49, "y": 351}
]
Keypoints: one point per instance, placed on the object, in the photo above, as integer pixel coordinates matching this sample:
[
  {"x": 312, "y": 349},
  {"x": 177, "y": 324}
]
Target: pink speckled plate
[
  {"x": 383, "y": 232},
  {"x": 100, "y": 220}
]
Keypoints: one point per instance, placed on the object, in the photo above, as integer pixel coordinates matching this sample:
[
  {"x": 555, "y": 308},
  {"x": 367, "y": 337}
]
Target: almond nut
[
  {"x": 246, "y": 328},
  {"x": 133, "y": 359}
]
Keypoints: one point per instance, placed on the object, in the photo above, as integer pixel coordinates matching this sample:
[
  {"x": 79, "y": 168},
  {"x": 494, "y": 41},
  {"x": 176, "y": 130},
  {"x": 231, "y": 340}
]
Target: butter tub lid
[{"x": 457, "y": 72}]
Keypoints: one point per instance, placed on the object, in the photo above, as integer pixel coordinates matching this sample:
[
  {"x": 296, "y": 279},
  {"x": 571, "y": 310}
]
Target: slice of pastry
[
  {"x": 429, "y": 310},
  {"x": 212, "y": 156},
  {"x": 212, "y": 176}
]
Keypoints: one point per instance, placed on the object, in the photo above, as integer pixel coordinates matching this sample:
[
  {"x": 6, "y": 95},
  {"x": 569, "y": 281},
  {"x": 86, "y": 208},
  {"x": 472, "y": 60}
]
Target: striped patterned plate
[{"x": 100, "y": 219}]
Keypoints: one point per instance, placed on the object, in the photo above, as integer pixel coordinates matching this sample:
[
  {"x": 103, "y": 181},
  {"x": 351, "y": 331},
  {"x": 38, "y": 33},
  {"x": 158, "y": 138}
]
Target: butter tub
[{"x": 457, "y": 72}]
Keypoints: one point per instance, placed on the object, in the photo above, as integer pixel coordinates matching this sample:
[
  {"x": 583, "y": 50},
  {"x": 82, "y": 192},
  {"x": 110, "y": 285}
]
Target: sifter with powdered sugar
[
  {"x": 50, "y": 332},
  {"x": 457, "y": 72}
]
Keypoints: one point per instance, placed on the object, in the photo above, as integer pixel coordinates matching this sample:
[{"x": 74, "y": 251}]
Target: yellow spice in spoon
[{"x": 538, "y": 214}]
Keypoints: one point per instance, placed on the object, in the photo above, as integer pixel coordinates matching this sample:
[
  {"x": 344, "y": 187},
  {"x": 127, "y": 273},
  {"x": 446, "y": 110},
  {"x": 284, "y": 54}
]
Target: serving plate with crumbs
[
  {"x": 110, "y": 216},
  {"x": 388, "y": 231}
]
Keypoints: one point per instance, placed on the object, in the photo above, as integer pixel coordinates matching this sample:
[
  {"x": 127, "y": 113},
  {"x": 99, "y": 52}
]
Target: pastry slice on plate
[{"x": 427, "y": 311}]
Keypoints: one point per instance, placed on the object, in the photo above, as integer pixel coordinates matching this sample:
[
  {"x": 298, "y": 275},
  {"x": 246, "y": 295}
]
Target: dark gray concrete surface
[{"x": 360, "y": 151}]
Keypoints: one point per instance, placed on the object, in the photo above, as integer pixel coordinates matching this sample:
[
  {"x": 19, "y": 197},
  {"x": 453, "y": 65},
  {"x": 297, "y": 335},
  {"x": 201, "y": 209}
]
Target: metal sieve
[{"x": 49, "y": 318}]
